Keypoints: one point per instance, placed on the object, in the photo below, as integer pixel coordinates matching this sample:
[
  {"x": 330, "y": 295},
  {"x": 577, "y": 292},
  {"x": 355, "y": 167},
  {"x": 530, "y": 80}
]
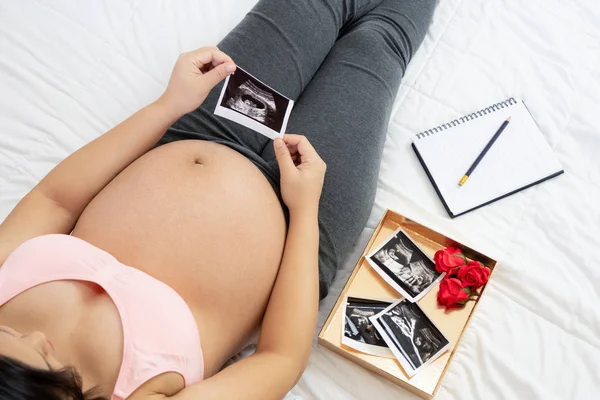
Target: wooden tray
[{"x": 364, "y": 282}]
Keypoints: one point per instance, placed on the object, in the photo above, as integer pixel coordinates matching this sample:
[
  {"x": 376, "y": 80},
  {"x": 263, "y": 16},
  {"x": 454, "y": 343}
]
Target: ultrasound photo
[
  {"x": 247, "y": 101},
  {"x": 359, "y": 332},
  {"x": 411, "y": 335},
  {"x": 404, "y": 266}
]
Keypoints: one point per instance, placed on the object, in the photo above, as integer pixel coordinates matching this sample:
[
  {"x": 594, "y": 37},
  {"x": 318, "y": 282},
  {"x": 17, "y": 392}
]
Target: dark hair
[{"x": 19, "y": 381}]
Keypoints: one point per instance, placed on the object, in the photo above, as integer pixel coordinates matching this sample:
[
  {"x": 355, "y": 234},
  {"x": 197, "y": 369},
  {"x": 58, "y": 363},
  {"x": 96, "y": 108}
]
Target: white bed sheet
[{"x": 70, "y": 70}]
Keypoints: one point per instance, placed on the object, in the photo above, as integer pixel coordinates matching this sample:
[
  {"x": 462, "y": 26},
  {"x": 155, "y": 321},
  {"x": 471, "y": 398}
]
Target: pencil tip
[{"x": 508, "y": 119}]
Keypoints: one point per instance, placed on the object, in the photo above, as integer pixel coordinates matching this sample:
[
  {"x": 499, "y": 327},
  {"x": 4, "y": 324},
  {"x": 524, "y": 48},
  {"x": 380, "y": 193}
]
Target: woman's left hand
[
  {"x": 302, "y": 172},
  {"x": 193, "y": 77}
]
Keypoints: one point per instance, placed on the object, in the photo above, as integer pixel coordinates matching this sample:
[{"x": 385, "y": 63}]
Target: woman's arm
[
  {"x": 291, "y": 316},
  {"x": 58, "y": 200}
]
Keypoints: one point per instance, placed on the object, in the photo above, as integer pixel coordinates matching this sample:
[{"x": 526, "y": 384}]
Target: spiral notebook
[{"x": 519, "y": 159}]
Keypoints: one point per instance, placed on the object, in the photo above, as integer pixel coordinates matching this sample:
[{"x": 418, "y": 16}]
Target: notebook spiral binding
[{"x": 488, "y": 110}]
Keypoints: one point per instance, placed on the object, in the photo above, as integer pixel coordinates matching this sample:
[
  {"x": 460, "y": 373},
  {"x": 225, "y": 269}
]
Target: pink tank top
[{"x": 160, "y": 332}]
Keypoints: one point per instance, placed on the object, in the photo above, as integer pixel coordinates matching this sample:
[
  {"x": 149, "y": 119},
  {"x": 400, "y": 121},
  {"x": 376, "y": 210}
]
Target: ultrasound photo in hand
[
  {"x": 249, "y": 102},
  {"x": 411, "y": 335},
  {"x": 359, "y": 332},
  {"x": 401, "y": 263}
]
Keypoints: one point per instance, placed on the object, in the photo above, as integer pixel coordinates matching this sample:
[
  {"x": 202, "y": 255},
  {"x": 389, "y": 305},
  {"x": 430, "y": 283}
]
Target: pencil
[{"x": 482, "y": 154}]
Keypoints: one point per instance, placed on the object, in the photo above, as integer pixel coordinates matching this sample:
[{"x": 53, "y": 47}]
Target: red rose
[
  {"x": 452, "y": 293},
  {"x": 474, "y": 275},
  {"x": 448, "y": 259}
]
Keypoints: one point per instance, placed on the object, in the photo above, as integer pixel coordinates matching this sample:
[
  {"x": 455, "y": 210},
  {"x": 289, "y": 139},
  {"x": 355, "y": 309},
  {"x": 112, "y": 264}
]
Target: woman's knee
[
  {"x": 378, "y": 43},
  {"x": 396, "y": 25}
]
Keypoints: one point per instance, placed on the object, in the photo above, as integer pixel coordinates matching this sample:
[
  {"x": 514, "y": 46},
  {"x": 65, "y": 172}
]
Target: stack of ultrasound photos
[{"x": 398, "y": 328}]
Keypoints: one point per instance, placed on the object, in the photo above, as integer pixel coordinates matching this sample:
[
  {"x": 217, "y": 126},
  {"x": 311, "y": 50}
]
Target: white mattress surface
[{"x": 70, "y": 70}]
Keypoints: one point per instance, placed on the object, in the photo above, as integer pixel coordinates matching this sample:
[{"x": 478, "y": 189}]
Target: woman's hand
[
  {"x": 194, "y": 75},
  {"x": 302, "y": 173}
]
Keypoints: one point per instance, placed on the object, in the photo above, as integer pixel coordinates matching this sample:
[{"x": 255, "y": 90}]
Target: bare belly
[{"x": 203, "y": 219}]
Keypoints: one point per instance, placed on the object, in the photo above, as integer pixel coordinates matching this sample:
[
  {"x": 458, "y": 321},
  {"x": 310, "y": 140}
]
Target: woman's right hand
[
  {"x": 302, "y": 173},
  {"x": 193, "y": 77}
]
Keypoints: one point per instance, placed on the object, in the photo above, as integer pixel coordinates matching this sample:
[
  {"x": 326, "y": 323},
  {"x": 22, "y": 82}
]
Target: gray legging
[{"x": 341, "y": 61}]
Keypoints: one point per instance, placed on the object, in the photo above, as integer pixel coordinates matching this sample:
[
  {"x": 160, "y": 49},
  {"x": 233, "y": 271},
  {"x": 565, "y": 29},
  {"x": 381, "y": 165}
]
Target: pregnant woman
[{"x": 135, "y": 270}]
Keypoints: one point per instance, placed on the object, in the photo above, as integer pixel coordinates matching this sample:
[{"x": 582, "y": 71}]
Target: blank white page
[{"x": 519, "y": 157}]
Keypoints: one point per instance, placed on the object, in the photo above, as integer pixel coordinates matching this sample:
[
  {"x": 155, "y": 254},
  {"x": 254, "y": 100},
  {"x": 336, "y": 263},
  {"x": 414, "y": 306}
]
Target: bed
[{"x": 70, "y": 70}]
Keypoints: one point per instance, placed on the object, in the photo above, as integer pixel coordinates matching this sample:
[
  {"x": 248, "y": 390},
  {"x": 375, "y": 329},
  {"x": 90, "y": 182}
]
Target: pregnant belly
[{"x": 203, "y": 219}]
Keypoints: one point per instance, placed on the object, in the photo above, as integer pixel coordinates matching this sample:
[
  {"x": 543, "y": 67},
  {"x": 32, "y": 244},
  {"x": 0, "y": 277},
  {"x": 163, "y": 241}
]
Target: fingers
[
  {"x": 208, "y": 55},
  {"x": 299, "y": 144},
  {"x": 212, "y": 63},
  {"x": 217, "y": 74},
  {"x": 291, "y": 139},
  {"x": 284, "y": 159}
]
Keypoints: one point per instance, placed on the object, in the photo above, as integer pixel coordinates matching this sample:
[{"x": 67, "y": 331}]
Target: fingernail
[
  {"x": 230, "y": 68},
  {"x": 279, "y": 143}
]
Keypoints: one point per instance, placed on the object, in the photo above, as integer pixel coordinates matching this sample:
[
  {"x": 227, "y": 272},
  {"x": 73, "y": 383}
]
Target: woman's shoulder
[{"x": 51, "y": 251}]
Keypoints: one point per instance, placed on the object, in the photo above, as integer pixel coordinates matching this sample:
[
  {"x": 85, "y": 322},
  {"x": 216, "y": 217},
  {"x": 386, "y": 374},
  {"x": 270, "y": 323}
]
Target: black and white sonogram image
[{"x": 251, "y": 98}]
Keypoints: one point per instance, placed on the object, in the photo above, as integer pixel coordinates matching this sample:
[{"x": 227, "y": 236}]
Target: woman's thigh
[
  {"x": 282, "y": 43},
  {"x": 345, "y": 111}
]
